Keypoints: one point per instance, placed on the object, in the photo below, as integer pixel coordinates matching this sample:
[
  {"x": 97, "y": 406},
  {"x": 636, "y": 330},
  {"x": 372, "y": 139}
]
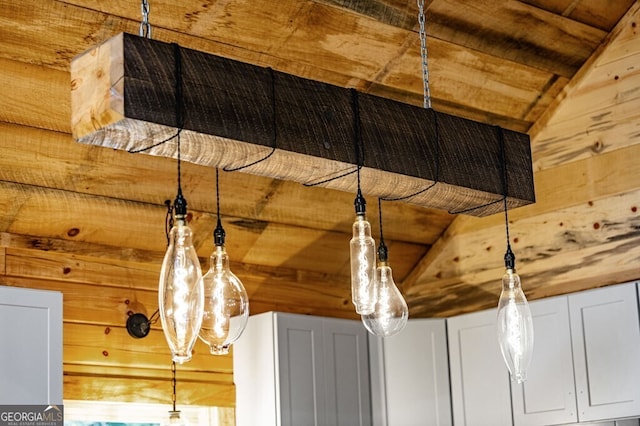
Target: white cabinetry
[
  {"x": 480, "y": 386},
  {"x": 606, "y": 351},
  {"x": 297, "y": 370},
  {"x": 585, "y": 361},
  {"x": 31, "y": 339},
  {"x": 547, "y": 397},
  {"x": 410, "y": 380}
]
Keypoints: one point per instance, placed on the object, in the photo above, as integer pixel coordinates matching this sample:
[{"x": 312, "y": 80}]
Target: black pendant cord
[
  {"x": 509, "y": 256},
  {"x": 173, "y": 384},
  {"x": 274, "y": 142},
  {"x": 503, "y": 159},
  {"x": 218, "y": 233},
  {"x": 359, "y": 203},
  {"x": 383, "y": 252}
]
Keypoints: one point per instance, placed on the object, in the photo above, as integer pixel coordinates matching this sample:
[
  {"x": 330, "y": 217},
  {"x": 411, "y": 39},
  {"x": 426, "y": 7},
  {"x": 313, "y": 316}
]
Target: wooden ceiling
[{"x": 89, "y": 221}]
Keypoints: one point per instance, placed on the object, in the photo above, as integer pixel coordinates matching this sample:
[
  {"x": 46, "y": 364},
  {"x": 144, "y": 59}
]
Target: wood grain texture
[
  {"x": 126, "y": 389},
  {"x": 556, "y": 253},
  {"x": 504, "y": 63},
  {"x": 246, "y": 199},
  {"x": 128, "y": 286}
]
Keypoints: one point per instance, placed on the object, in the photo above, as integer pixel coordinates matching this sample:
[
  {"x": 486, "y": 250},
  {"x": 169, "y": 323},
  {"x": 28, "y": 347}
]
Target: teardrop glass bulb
[
  {"x": 180, "y": 293},
  {"x": 515, "y": 326},
  {"x": 391, "y": 312},
  {"x": 226, "y": 305},
  {"x": 363, "y": 266}
]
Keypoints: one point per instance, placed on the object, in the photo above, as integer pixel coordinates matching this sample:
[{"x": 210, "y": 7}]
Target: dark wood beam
[{"x": 130, "y": 92}]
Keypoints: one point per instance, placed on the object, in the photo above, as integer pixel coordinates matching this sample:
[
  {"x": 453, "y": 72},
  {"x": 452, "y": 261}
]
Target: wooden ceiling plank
[
  {"x": 517, "y": 32},
  {"x": 135, "y": 283},
  {"x": 562, "y": 273},
  {"x": 508, "y": 88},
  {"x": 113, "y": 346},
  {"x": 116, "y": 223},
  {"x": 124, "y": 389},
  {"x": 548, "y": 248},
  {"x": 65, "y": 164},
  {"x": 599, "y": 14},
  {"x": 574, "y": 184},
  {"x": 95, "y": 304},
  {"x": 147, "y": 373},
  {"x": 319, "y": 66},
  {"x": 24, "y": 86},
  {"x": 284, "y": 249},
  {"x": 609, "y": 43}
]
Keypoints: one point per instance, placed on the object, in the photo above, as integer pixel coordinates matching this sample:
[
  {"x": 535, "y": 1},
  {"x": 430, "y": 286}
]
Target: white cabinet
[
  {"x": 410, "y": 376},
  {"x": 297, "y": 370},
  {"x": 31, "y": 339},
  {"x": 480, "y": 385},
  {"x": 585, "y": 361},
  {"x": 547, "y": 397},
  {"x": 606, "y": 351}
]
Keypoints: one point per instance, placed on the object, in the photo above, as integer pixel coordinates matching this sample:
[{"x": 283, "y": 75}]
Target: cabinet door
[
  {"x": 346, "y": 363},
  {"x": 547, "y": 397},
  {"x": 480, "y": 390},
  {"x": 31, "y": 355},
  {"x": 301, "y": 370},
  {"x": 606, "y": 350},
  {"x": 415, "y": 375},
  {"x": 255, "y": 373}
]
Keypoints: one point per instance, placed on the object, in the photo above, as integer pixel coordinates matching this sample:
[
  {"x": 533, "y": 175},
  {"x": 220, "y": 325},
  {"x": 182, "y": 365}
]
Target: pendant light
[
  {"x": 363, "y": 247},
  {"x": 515, "y": 324},
  {"x": 390, "y": 313},
  {"x": 226, "y": 304},
  {"x": 180, "y": 295}
]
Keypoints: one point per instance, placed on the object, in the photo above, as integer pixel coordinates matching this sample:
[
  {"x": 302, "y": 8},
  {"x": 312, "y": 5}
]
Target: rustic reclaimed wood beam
[{"x": 125, "y": 96}]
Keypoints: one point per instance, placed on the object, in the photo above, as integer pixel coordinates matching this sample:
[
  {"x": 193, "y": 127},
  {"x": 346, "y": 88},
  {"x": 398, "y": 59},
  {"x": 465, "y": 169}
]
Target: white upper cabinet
[
  {"x": 412, "y": 376},
  {"x": 346, "y": 362},
  {"x": 547, "y": 397},
  {"x": 31, "y": 338},
  {"x": 480, "y": 385},
  {"x": 606, "y": 351},
  {"x": 298, "y": 370}
]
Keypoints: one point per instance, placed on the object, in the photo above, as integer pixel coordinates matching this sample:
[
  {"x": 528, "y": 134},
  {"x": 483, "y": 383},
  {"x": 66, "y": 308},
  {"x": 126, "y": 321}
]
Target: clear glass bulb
[
  {"x": 226, "y": 305},
  {"x": 180, "y": 293},
  {"x": 515, "y": 326},
  {"x": 391, "y": 312},
  {"x": 363, "y": 266}
]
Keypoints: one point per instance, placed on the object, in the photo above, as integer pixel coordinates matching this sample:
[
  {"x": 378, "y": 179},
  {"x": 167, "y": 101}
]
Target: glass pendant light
[
  {"x": 180, "y": 296},
  {"x": 390, "y": 313},
  {"x": 226, "y": 303},
  {"x": 180, "y": 293},
  {"x": 363, "y": 247},
  {"x": 363, "y": 258},
  {"x": 515, "y": 324}
]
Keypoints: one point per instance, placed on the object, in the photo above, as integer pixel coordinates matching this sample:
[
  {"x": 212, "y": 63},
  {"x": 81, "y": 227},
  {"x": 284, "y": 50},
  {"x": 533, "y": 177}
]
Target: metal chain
[
  {"x": 145, "y": 26},
  {"x": 423, "y": 53}
]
